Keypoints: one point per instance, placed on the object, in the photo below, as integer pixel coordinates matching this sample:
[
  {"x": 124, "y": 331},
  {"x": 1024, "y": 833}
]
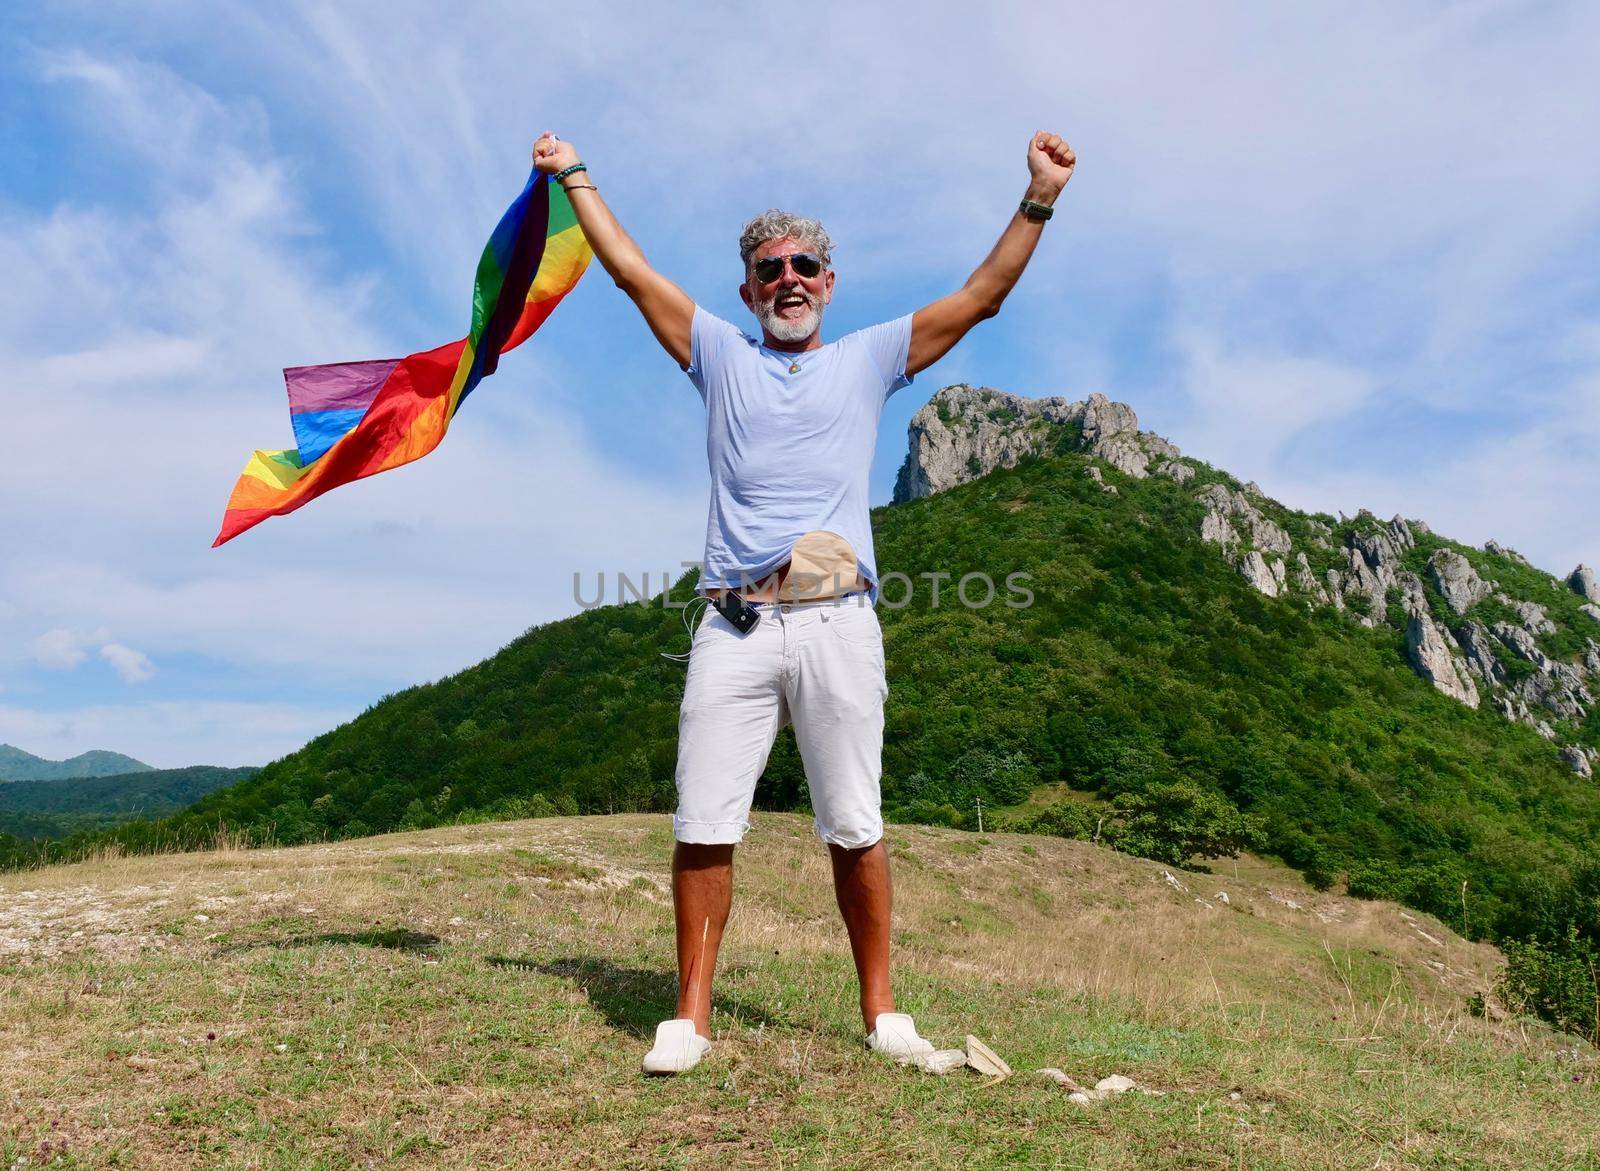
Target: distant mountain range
[
  {"x": 17, "y": 765},
  {"x": 33, "y": 810}
]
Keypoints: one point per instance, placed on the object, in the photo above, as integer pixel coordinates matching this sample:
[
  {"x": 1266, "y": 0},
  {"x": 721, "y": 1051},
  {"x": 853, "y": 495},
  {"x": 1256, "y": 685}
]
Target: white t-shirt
[{"x": 790, "y": 453}]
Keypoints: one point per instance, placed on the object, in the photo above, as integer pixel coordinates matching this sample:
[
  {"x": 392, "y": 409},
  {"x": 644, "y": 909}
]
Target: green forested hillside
[
  {"x": 1146, "y": 677},
  {"x": 57, "y": 809}
]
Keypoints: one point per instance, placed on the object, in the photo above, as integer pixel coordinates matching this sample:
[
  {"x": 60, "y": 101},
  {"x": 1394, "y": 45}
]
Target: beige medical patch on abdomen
[{"x": 821, "y": 565}]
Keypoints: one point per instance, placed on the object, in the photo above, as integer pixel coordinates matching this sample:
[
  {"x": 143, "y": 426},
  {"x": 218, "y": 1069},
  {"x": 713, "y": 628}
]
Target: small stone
[
  {"x": 942, "y": 1061},
  {"x": 1079, "y": 1097},
  {"x": 1115, "y": 1084},
  {"x": 1222, "y": 897},
  {"x": 984, "y": 1059},
  {"x": 202, "y": 918},
  {"x": 134, "y": 1061},
  {"x": 1062, "y": 1079},
  {"x": 281, "y": 1048}
]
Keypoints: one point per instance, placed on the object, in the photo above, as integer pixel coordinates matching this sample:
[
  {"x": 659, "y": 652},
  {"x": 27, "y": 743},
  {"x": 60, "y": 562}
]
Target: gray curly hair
[{"x": 783, "y": 225}]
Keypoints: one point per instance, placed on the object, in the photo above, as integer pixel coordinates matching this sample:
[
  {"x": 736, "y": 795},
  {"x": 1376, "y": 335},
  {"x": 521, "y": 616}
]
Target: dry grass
[{"x": 480, "y": 997}]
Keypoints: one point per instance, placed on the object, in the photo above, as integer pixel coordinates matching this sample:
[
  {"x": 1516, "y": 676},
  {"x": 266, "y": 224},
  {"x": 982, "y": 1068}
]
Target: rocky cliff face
[
  {"x": 965, "y": 432},
  {"x": 1471, "y": 639}
]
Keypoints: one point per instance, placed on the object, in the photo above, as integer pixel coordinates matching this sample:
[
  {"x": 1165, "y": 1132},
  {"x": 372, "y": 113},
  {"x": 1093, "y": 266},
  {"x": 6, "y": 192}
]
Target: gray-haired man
[{"x": 791, "y": 427}]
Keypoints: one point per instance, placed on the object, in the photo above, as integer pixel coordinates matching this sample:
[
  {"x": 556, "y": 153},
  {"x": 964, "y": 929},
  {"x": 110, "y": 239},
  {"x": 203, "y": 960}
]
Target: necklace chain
[{"x": 794, "y": 361}]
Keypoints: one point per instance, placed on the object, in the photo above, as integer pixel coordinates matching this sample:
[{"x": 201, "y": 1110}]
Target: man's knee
[
  {"x": 701, "y": 855},
  {"x": 859, "y": 832}
]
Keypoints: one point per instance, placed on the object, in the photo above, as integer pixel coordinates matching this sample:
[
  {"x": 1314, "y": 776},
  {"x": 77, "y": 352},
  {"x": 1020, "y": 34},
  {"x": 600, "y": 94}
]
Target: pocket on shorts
[
  {"x": 710, "y": 625},
  {"x": 856, "y": 625}
]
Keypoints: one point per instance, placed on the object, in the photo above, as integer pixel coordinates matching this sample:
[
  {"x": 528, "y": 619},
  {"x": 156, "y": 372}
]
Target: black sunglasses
[{"x": 805, "y": 264}]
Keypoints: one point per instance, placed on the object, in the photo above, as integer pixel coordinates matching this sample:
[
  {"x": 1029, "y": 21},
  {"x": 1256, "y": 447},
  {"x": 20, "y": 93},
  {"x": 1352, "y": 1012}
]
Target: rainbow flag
[{"x": 356, "y": 419}]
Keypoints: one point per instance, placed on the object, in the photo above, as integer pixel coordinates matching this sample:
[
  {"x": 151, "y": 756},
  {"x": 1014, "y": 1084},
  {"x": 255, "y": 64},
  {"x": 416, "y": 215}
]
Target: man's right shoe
[
  {"x": 678, "y": 1048},
  {"x": 895, "y": 1033}
]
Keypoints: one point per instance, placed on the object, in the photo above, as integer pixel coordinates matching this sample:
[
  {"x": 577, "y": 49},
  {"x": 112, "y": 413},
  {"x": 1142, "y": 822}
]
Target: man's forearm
[
  {"x": 613, "y": 247},
  {"x": 1002, "y": 268}
]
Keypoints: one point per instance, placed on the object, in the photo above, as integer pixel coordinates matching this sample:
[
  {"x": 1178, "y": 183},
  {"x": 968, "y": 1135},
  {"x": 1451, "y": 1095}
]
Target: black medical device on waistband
[{"x": 736, "y": 610}]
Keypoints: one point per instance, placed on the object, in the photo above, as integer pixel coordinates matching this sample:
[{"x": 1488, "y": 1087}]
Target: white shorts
[{"x": 817, "y": 665}]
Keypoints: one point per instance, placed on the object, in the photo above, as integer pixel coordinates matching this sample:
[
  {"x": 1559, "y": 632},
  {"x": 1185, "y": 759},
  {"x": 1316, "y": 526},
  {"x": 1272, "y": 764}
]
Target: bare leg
[
  {"x": 861, "y": 883},
  {"x": 702, "y": 892}
]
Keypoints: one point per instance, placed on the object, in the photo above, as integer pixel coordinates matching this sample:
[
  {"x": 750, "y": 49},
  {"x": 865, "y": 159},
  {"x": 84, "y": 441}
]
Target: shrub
[
  {"x": 1175, "y": 822},
  {"x": 1557, "y": 983}
]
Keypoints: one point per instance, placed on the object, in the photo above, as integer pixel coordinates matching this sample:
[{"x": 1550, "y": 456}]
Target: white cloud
[
  {"x": 62, "y": 650},
  {"x": 1246, "y": 407},
  {"x": 134, "y": 666}
]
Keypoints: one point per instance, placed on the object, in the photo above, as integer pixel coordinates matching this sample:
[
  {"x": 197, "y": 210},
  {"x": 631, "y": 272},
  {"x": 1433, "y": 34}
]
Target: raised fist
[
  {"x": 550, "y": 154},
  {"x": 1050, "y": 159}
]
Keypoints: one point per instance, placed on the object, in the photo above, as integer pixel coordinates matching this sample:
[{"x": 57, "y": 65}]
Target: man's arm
[
  {"x": 667, "y": 308},
  {"x": 937, "y": 327}
]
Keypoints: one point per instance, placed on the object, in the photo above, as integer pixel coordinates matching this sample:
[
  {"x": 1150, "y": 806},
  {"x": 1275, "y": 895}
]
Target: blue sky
[{"x": 1350, "y": 254}]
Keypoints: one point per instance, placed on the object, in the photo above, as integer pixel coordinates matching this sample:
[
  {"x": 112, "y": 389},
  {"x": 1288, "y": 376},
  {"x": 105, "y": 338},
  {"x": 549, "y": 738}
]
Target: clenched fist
[
  {"x": 550, "y": 154},
  {"x": 1050, "y": 160}
]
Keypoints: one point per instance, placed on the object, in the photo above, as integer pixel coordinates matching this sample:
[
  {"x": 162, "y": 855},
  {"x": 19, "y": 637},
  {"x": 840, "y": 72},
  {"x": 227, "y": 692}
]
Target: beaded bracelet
[
  {"x": 562, "y": 174},
  {"x": 1036, "y": 211}
]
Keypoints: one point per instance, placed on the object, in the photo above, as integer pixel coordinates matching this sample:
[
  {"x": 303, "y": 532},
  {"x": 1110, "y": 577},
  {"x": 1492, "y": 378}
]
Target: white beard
[{"x": 790, "y": 330}]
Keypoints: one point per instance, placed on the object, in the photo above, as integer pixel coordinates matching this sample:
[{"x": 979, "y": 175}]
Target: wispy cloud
[
  {"x": 62, "y": 650},
  {"x": 134, "y": 666}
]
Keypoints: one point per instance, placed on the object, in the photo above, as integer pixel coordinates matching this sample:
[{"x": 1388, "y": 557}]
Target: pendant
[{"x": 794, "y": 367}]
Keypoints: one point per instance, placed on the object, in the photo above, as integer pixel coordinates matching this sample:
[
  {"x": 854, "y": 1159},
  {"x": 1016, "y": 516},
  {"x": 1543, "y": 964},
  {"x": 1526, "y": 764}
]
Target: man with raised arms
[{"x": 791, "y": 428}]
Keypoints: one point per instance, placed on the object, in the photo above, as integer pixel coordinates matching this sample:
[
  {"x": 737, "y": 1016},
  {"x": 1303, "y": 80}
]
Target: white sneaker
[
  {"x": 895, "y": 1033},
  {"x": 678, "y": 1047}
]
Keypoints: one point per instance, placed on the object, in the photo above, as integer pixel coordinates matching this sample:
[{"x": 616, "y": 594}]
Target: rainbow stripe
[{"x": 356, "y": 419}]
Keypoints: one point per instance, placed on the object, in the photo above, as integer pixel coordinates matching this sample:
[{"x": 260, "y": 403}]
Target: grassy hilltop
[{"x": 476, "y": 997}]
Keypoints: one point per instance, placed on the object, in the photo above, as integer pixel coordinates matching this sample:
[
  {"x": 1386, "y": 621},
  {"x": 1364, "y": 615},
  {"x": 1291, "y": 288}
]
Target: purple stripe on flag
[{"x": 342, "y": 386}]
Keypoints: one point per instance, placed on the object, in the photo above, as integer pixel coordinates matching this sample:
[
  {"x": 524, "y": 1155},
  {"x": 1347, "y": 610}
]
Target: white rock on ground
[{"x": 984, "y": 1059}]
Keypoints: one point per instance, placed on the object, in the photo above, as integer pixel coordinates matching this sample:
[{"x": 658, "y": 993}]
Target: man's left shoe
[
  {"x": 678, "y": 1048},
  {"x": 895, "y": 1033}
]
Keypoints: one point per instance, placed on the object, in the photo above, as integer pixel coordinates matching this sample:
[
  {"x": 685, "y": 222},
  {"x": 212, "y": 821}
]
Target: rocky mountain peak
[
  {"x": 1464, "y": 633},
  {"x": 965, "y": 432}
]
